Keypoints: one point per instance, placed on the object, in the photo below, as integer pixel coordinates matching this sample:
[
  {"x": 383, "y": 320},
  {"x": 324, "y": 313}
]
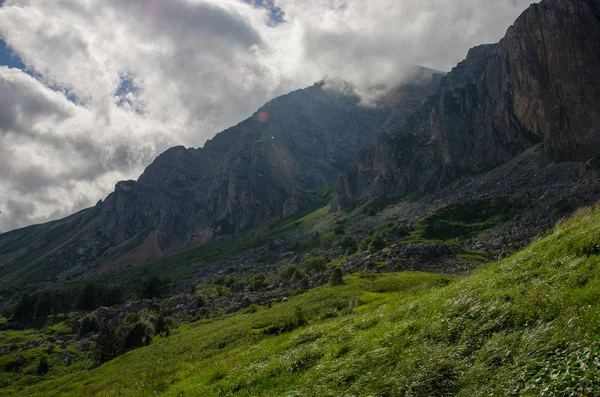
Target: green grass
[
  {"x": 527, "y": 325},
  {"x": 19, "y": 365}
]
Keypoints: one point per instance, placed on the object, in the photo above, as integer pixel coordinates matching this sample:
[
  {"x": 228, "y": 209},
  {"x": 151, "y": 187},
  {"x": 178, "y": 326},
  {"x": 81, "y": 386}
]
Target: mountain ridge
[{"x": 243, "y": 176}]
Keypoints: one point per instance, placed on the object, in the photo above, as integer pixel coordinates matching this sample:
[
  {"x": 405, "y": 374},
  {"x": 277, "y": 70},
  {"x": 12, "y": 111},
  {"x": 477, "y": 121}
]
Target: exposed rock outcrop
[{"x": 540, "y": 83}]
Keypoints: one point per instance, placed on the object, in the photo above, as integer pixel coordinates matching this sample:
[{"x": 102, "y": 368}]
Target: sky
[{"x": 91, "y": 91}]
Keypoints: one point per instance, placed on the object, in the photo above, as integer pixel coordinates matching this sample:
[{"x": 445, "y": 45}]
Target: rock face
[
  {"x": 251, "y": 172},
  {"x": 538, "y": 84},
  {"x": 255, "y": 170}
]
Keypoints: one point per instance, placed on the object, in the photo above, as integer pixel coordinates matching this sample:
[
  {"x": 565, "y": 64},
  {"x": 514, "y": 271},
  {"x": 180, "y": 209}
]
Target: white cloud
[{"x": 191, "y": 68}]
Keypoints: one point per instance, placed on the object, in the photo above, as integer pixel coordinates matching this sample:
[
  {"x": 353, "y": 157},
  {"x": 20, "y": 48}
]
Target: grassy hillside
[{"x": 528, "y": 325}]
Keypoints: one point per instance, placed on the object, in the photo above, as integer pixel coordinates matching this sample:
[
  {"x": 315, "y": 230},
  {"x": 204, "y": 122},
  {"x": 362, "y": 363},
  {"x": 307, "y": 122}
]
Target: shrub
[
  {"x": 377, "y": 242},
  {"x": 286, "y": 272},
  {"x": 259, "y": 280},
  {"x": 347, "y": 242},
  {"x": 136, "y": 335},
  {"x": 315, "y": 263},
  {"x": 365, "y": 243},
  {"x": 328, "y": 240},
  {"x": 163, "y": 324},
  {"x": 339, "y": 229},
  {"x": 89, "y": 324},
  {"x": 336, "y": 277},
  {"x": 297, "y": 276}
]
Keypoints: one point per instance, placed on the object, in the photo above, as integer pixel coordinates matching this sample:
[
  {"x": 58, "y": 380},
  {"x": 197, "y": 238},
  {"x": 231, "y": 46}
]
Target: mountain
[
  {"x": 538, "y": 86},
  {"x": 516, "y": 119},
  {"x": 263, "y": 167}
]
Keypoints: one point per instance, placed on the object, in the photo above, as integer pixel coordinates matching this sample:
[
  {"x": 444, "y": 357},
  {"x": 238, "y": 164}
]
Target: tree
[
  {"x": 336, "y": 277},
  {"x": 155, "y": 287},
  {"x": 88, "y": 300},
  {"x": 25, "y": 308},
  {"x": 107, "y": 347}
]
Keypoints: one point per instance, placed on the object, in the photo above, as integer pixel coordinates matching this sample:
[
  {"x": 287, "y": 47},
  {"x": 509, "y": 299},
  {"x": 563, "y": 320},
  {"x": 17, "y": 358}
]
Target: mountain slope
[
  {"x": 247, "y": 174},
  {"x": 527, "y": 325}
]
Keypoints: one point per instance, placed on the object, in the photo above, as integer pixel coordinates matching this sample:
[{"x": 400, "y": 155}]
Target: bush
[
  {"x": 377, "y": 242},
  {"x": 328, "y": 240},
  {"x": 286, "y": 272},
  {"x": 347, "y": 242},
  {"x": 89, "y": 324},
  {"x": 365, "y": 243},
  {"x": 297, "y": 276},
  {"x": 136, "y": 335},
  {"x": 315, "y": 264},
  {"x": 339, "y": 229},
  {"x": 259, "y": 280},
  {"x": 163, "y": 324},
  {"x": 336, "y": 277}
]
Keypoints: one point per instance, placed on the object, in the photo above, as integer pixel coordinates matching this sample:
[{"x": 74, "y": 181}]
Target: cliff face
[{"x": 538, "y": 84}]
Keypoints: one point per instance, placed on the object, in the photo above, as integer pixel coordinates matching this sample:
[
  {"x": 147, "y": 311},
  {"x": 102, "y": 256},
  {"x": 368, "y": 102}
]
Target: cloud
[{"x": 112, "y": 83}]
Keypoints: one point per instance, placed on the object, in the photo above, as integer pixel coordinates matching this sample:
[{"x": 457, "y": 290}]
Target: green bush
[
  {"x": 329, "y": 240},
  {"x": 377, "y": 242},
  {"x": 286, "y": 272},
  {"x": 200, "y": 301},
  {"x": 258, "y": 281},
  {"x": 347, "y": 242},
  {"x": 336, "y": 278},
  {"x": 351, "y": 250},
  {"x": 315, "y": 264},
  {"x": 89, "y": 324},
  {"x": 297, "y": 276}
]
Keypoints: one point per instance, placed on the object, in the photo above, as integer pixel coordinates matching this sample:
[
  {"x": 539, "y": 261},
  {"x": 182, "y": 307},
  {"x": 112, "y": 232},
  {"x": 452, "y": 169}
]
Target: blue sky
[{"x": 7, "y": 57}]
